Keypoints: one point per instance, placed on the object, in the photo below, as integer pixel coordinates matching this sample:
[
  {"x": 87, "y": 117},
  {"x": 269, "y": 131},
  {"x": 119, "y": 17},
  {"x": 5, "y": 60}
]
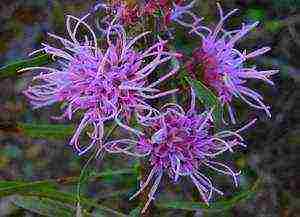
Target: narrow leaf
[
  {"x": 52, "y": 131},
  {"x": 72, "y": 199},
  {"x": 48, "y": 189},
  {"x": 135, "y": 212},
  {"x": 208, "y": 98},
  {"x": 13, "y": 68},
  {"x": 9, "y": 188},
  {"x": 220, "y": 205},
  {"x": 44, "y": 207},
  {"x": 45, "y": 189}
]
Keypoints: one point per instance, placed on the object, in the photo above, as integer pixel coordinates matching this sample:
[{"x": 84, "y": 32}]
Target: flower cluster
[
  {"x": 130, "y": 12},
  {"x": 180, "y": 144},
  {"x": 105, "y": 84},
  {"x": 116, "y": 82},
  {"x": 222, "y": 65}
]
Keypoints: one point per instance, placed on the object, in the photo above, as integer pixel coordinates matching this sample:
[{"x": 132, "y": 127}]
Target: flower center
[{"x": 208, "y": 68}]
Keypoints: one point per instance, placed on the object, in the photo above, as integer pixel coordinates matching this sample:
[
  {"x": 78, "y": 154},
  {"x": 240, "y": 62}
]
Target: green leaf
[
  {"x": 208, "y": 98},
  {"x": 13, "y": 187},
  {"x": 135, "y": 212},
  {"x": 48, "y": 189},
  {"x": 52, "y": 131},
  {"x": 109, "y": 174},
  {"x": 13, "y": 68},
  {"x": 72, "y": 199},
  {"x": 256, "y": 14},
  {"x": 44, "y": 207},
  {"x": 220, "y": 205},
  {"x": 273, "y": 26}
]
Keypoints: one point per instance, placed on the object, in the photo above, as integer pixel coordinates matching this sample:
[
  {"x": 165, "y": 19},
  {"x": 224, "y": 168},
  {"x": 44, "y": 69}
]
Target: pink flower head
[
  {"x": 165, "y": 7},
  {"x": 183, "y": 14},
  {"x": 131, "y": 12},
  {"x": 173, "y": 11},
  {"x": 223, "y": 65},
  {"x": 181, "y": 144},
  {"x": 105, "y": 84},
  {"x": 127, "y": 13}
]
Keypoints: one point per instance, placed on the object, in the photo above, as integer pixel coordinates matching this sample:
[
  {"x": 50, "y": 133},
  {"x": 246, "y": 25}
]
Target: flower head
[
  {"x": 223, "y": 66},
  {"x": 127, "y": 11},
  {"x": 181, "y": 144},
  {"x": 163, "y": 7},
  {"x": 108, "y": 83},
  {"x": 183, "y": 14},
  {"x": 131, "y": 12}
]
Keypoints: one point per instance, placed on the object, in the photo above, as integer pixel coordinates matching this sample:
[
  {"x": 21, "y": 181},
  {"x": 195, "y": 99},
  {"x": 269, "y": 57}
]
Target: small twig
[{"x": 144, "y": 195}]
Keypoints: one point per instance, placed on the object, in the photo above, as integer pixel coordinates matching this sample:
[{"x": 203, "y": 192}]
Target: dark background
[{"x": 273, "y": 145}]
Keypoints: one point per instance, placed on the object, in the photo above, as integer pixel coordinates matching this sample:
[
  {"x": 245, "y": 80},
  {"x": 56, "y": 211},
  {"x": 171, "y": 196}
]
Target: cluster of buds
[
  {"x": 130, "y": 12},
  {"x": 115, "y": 82}
]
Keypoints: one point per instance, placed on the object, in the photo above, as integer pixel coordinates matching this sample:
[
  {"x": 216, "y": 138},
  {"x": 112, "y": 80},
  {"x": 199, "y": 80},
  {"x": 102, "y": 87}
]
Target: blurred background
[{"x": 273, "y": 152}]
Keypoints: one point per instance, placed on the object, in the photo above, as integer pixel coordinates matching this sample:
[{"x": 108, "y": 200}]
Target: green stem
[{"x": 144, "y": 195}]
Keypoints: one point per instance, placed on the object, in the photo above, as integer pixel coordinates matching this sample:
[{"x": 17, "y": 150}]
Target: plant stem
[{"x": 144, "y": 195}]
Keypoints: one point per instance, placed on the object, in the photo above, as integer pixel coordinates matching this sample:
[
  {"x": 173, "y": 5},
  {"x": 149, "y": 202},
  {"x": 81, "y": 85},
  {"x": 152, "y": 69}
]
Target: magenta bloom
[
  {"x": 131, "y": 12},
  {"x": 181, "y": 144},
  {"x": 108, "y": 83},
  {"x": 183, "y": 14},
  {"x": 223, "y": 66}
]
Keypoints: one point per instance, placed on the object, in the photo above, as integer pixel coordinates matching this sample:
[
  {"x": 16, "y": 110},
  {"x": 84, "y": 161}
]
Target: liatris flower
[
  {"x": 165, "y": 7},
  {"x": 222, "y": 65},
  {"x": 181, "y": 144},
  {"x": 130, "y": 12},
  {"x": 127, "y": 12},
  {"x": 173, "y": 11},
  {"x": 180, "y": 13},
  {"x": 105, "y": 84}
]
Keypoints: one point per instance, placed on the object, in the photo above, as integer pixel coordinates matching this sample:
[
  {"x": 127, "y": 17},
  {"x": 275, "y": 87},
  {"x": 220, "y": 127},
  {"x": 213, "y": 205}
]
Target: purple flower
[
  {"x": 223, "y": 65},
  {"x": 181, "y": 144},
  {"x": 130, "y": 12},
  {"x": 183, "y": 15},
  {"x": 107, "y": 83}
]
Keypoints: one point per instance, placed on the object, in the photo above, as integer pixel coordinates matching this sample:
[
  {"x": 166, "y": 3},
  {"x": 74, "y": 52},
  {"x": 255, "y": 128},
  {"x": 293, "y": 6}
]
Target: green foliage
[
  {"x": 8, "y": 188},
  {"x": 135, "y": 212},
  {"x": 48, "y": 131},
  {"x": 220, "y": 205},
  {"x": 12, "y": 69},
  {"x": 50, "y": 196},
  {"x": 256, "y": 14},
  {"x": 71, "y": 199},
  {"x": 53, "y": 131},
  {"x": 58, "y": 14},
  {"x": 208, "y": 99},
  {"x": 273, "y": 26},
  {"x": 44, "y": 207}
]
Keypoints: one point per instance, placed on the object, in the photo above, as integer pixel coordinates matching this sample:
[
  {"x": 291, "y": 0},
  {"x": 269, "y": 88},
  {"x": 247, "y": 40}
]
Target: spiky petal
[
  {"x": 104, "y": 84},
  {"x": 223, "y": 66},
  {"x": 181, "y": 144},
  {"x": 131, "y": 12}
]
